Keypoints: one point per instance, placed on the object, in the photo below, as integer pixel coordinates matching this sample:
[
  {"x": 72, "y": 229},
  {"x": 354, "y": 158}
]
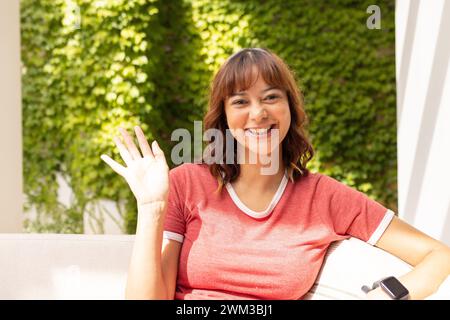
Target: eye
[
  {"x": 239, "y": 102},
  {"x": 272, "y": 97}
]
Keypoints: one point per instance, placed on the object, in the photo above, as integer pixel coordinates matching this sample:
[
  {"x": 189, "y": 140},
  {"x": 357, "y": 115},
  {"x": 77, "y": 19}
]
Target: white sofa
[{"x": 57, "y": 266}]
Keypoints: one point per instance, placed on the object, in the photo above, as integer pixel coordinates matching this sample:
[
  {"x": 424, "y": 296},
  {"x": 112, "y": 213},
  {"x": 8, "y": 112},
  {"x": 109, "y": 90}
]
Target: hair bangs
[{"x": 244, "y": 69}]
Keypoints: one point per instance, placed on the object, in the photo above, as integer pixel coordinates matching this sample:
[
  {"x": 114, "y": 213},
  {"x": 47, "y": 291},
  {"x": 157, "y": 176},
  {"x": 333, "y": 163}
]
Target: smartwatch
[{"x": 394, "y": 288}]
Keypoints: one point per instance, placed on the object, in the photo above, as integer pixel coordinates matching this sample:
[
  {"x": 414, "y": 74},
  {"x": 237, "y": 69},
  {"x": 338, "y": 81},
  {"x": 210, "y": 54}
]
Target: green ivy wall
[{"x": 128, "y": 62}]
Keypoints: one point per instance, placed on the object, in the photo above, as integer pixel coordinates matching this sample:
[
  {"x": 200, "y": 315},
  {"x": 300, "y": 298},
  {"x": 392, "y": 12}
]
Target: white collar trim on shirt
[{"x": 259, "y": 214}]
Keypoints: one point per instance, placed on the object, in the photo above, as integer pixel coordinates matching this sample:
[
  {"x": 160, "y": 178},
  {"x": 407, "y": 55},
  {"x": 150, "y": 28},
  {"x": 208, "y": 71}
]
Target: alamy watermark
[{"x": 374, "y": 20}]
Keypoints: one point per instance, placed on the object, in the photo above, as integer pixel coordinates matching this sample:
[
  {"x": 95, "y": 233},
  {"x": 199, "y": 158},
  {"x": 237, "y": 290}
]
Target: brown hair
[{"x": 236, "y": 73}]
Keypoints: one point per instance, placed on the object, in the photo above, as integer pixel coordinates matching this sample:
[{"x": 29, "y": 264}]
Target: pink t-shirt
[{"x": 232, "y": 252}]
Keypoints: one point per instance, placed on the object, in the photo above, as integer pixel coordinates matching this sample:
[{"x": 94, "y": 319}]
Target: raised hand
[{"x": 146, "y": 174}]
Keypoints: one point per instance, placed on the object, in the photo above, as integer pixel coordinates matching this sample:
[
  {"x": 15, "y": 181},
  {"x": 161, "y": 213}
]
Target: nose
[{"x": 257, "y": 112}]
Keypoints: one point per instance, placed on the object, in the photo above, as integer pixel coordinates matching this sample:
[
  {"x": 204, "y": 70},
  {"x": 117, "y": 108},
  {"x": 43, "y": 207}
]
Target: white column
[
  {"x": 10, "y": 118},
  {"x": 423, "y": 114}
]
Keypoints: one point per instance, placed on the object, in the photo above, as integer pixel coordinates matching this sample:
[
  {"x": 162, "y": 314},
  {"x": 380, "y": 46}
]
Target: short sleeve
[
  {"x": 174, "y": 223},
  {"x": 352, "y": 213}
]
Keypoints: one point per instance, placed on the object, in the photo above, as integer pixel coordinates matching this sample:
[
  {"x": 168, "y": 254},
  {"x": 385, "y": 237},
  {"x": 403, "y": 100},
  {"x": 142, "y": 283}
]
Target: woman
[{"x": 229, "y": 230}]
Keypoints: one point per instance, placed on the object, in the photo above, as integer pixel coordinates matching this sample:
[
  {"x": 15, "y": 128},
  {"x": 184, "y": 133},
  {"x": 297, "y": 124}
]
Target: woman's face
[{"x": 252, "y": 116}]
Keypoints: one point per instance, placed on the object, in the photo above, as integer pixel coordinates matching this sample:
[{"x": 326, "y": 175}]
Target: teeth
[{"x": 259, "y": 131}]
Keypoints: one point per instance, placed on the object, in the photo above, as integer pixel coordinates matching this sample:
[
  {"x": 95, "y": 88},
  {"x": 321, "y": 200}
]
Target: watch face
[{"x": 394, "y": 288}]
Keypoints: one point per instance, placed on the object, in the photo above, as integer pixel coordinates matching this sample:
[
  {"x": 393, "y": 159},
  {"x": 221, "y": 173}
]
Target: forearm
[
  {"x": 145, "y": 278},
  {"x": 426, "y": 277}
]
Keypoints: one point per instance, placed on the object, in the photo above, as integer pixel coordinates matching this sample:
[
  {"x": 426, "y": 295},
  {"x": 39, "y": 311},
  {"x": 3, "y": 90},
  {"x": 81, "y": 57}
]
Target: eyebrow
[{"x": 242, "y": 93}]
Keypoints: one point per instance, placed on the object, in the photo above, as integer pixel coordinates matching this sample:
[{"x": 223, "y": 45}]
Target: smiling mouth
[{"x": 260, "y": 132}]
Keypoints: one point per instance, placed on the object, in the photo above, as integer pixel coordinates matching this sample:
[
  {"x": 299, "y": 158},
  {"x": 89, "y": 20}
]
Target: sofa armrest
[{"x": 352, "y": 263}]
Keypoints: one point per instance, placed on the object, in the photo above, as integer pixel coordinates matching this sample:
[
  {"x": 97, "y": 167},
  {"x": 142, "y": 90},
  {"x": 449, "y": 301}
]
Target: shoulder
[
  {"x": 314, "y": 180},
  {"x": 328, "y": 182},
  {"x": 189, "y": 168},
  {"x": 320, "y": 184},
  {"x": 192, "y": 181},
  {"x": 330, "y": 188}
]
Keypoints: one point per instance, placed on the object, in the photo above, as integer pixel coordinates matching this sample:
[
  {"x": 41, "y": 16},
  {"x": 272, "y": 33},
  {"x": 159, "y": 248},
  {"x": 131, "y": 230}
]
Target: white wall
[
  {"x": 423, "y": 114},
  {"x": 11, "y": 195},
  {"x": 102, "y": 217},
  {"x": 10, "y": 119}
]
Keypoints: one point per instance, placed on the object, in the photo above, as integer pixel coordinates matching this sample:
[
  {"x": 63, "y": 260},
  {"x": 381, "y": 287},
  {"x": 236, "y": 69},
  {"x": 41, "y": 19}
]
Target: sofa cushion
[
  {"x": 60, "y": 266},
  {"x": 350, "y": 264}
]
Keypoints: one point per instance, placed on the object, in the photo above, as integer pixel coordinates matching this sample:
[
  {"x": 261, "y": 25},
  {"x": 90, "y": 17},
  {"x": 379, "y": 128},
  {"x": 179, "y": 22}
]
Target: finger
[
  {"x": 126, "y": 157},
  {"x": 117, "y": 167},
  {"x": 132, "y": 149},
  {"x": 143, "y": 143},
  {"x": 159, "y": 154}
]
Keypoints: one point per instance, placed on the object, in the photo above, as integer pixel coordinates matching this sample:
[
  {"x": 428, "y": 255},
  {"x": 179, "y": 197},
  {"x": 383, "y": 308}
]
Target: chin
[
  {"x": 259, "y": 146},
  {"x": 265, "y": 145},
  {"x": 261, "y": 151}
]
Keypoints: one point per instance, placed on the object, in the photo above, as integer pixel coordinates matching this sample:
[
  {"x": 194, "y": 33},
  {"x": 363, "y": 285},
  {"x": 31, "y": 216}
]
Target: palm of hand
[
  {"x": 146, "y": 175},
  {"x": 148, "y": 179}
]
